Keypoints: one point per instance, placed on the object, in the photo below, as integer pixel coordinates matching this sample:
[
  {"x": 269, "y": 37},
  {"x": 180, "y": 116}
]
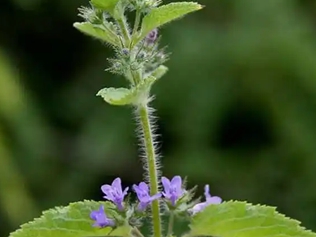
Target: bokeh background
[{"x": 237, "y": 109}]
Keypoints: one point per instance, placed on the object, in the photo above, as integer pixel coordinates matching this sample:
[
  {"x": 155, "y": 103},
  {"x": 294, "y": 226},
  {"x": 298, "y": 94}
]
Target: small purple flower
[
  {"x": 114, "y": 193},
  {"x": 152, "y": 36},
  {"x": 198, "y": 207},
  {"x": 143, "y": 195},
  {"x": 209, "y": 200},
  {"x": 101, "y": 220},
  {"x": 172, "y": 189}
]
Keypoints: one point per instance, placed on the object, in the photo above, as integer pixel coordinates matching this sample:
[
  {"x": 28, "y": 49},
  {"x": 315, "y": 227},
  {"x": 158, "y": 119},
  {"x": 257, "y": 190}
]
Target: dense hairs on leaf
[{"x": 241, "y": 219}]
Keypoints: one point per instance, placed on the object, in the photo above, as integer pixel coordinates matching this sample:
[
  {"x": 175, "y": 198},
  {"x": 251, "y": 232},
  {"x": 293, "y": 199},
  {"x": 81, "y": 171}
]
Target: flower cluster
[
  {"x": 134, "y": 55},
  {"x": 144, "y": 6},
  {"x": 173, "y": 194},
  {"x": 145, "y": 57}
]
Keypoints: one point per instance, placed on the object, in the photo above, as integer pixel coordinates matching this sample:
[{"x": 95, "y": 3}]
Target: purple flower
[
  {"x": 198, "y": 207},
  {"x": 101, "y": 220},
  {"x": 172, "y": 189},
  {"x": 152, "y": 36},
  {"x": 114, "y": 193},
  {"x": 143, "y": 195},
  {"x": 209, "y": 200}
]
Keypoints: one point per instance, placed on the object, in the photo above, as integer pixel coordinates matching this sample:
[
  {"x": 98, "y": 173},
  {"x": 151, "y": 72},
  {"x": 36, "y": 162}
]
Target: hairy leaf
[
  {"x": 241, "y": 219},
  {"x": 98, "y": 32},
  {"x": 166, "y": 13},
  {"x": 160, "y": 72},
  {"x": 116, "y": 96},
  {"x": 70, "y": 221},
  {"x": 106, "y": 5},
  {"x": 124, "y": 96}
]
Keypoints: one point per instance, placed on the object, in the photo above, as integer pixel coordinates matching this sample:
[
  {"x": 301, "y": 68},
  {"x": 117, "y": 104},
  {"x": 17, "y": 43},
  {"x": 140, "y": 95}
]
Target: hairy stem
[
  {"x": 124, "y": 28},
  {"x": 113, "y": 34},
  {"x": 137, "y": 21},
  {"x": 144, "y": 116},
  {"x": 170, "y": 225},
  {"x": 136, "y": 233}
]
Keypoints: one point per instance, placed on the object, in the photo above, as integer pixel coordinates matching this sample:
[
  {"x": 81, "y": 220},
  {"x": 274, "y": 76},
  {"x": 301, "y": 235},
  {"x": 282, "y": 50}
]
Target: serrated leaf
[
  {"x": 98, "y": 32},
  {"x": 166, "y": 13},
  {"x": 124, "y": 96},
  {"x": 70, "y": 221},
  {"x": 106, "y": 5},
  {"x": 241, "y": 219}
]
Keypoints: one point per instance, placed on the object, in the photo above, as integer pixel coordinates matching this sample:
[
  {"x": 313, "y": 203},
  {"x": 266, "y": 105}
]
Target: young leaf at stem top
[
  {"x": 166, "y": 13},
  {"x": 98, "y": 32},
  {"x": 106, "y": 5}
]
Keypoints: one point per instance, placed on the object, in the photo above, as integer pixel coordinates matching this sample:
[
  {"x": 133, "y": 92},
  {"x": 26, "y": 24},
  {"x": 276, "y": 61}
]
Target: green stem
[
  {"x": 123, "y": 25},
  {"x": 136, "y": 233},
  {"x": 170, "y": 225},
  {"x": 137, "y": 75},
  {"x": 114, "y": 35},
  {"x": 151, "y": 164},
  {"x": 137, "y": 21}
]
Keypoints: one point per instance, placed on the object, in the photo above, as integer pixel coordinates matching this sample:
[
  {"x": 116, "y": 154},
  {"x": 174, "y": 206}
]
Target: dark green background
[{"x": 237, "y": 109}]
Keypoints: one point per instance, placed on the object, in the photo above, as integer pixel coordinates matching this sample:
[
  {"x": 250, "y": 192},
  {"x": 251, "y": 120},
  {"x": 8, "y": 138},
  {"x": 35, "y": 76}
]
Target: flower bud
[
  {"x": 141, "y": 55},
  {"x": 125, "y": 52},
  {"x": 152, "y": 36}
]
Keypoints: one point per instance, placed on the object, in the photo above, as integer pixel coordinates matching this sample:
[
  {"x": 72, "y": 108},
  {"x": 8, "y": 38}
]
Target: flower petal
[
  {"x": 214, "y": 200},
  {"x": 101, "y": 209},
  {"x": 109, "y": 198},
  {"x": 125, "y": 191},
  {"x": 107, "y": 189},
  {"x": 144, "y": 186},
  {"x": 117, "y": 184},
  {"x": 100, "y": 218},
  {"x": 142, "y": 206},
  {"x": 156, "y": 196},
  {"x": 198, "y": 207},
  {"x": 176, "y": 181},
  {"x": 166, "y": 184},
  {"x": 136, "y": 188},
  {"x": 207, "y": 191},
  {"x": 93, "y": 215}
]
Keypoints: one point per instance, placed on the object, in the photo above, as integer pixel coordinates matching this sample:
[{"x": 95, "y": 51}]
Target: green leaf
[
  {"x": 118, "y": 10},
  {"x": 241, "y": 219},
  {"x": 124, "y": 96},
  {"x": 70, "y": 221},
  {"x": 166, "y": 13},
  {"x": 160, "y": 72},
  {"x": 116, "y": 96},
  {"x": 98, "y": 32},
  {"x": 106, "y": 5}
]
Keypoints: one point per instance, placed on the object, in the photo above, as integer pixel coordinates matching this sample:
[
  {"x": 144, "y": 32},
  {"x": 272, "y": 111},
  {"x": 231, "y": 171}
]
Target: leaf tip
[
  {"x": 76, "y": 24},
  {"x": 201, "y": 7},
  {"x": 100, "y": 92},
  {"x": 198, "y": 6}
]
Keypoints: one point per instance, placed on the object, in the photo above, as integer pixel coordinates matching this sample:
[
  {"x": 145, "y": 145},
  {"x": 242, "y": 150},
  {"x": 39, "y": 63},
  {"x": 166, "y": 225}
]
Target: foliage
[
  {"x": 251, "y": 113},
  {"x": 242, "y": 219},
  {"x": 69, "y": 221}
]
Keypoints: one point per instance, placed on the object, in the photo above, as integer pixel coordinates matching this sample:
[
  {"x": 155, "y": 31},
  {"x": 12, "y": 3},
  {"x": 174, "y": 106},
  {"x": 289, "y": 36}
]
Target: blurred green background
[{"x": 237, "y": 109}]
